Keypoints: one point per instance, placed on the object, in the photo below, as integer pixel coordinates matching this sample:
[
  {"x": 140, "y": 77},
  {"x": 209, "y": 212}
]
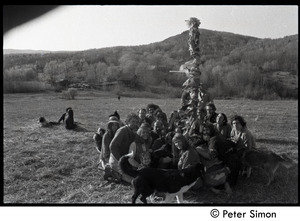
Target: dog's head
[{"x": 43, "y": 121}]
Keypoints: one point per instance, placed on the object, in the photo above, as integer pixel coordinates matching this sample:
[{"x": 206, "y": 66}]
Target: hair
[
  {"x": 145, "y": 126},
  {"x": 152, "y": 106},
  {"x": 159, "y": 113},
  {"x": 142, "y": 128},
  {"x": 169, "y": 136},
  {"x": 142, "y": 109},
  {"x": 158, "y": 122},
  {"x": 240, "y": 119},
  {"x": 212, "y": 105},
  {"x": 131, "y": 116},
  {"x": 180, "y": 137},
  {"x": 70, "y": 112},
  {"x": 225, "y": 121},
  {"x": 211, "y": 128}
]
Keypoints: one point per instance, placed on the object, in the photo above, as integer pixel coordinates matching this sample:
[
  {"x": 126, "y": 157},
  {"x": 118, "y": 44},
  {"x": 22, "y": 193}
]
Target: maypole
[{"x": 193, "y": 94}]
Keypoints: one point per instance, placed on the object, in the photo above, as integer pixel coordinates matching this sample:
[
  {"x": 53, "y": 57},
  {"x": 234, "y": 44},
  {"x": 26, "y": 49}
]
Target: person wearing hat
[
  {"x": 116, "y": 114},
  {"x": 111, "y": 127}
]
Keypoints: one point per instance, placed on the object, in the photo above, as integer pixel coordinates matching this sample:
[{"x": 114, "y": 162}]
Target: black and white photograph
[{"x": 159, "y": 105}]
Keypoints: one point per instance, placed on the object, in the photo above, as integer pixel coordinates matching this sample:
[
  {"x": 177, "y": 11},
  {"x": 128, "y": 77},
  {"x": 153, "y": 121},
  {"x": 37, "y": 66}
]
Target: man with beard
[
  {"x": 211, "y": 115},
  {"x": 120, "y": 144}
]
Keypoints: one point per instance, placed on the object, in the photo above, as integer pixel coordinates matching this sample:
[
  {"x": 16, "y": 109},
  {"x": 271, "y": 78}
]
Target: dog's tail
[{"x": 126, "y": 167}]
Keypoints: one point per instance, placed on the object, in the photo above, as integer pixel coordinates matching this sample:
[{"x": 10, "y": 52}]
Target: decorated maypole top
[
  {"x": 193, "y": 92},
  {"x": 191, "y": 68},
  {"x": 194, "y": 42}
]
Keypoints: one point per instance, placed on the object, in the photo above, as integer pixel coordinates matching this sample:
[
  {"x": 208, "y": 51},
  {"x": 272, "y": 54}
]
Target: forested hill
[{"x": 232, "y": 65}]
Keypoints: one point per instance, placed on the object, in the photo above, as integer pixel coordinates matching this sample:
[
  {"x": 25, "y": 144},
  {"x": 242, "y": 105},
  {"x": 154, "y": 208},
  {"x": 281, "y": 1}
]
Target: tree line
[{"x": 231, "y": 65}]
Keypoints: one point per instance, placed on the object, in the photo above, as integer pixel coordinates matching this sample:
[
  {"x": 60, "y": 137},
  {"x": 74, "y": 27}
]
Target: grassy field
[{"x": 57, "y": 166}]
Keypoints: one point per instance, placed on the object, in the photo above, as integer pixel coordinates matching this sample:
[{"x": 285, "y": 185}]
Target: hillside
[{"x": 232, "y": 65}]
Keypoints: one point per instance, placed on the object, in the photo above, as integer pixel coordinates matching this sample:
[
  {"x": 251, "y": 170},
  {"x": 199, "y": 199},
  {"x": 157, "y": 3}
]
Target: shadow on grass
[{"x": 276, "y": 141}]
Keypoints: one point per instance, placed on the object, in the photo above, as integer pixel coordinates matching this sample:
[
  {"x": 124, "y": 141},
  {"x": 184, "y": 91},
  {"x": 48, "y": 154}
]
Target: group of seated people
[{"x": 189, "y": 136}]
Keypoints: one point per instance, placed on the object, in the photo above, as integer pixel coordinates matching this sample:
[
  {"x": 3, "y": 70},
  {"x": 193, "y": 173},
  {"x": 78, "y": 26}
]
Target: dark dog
[
  {"x": 45, "y": 123},
  {"x": 172, "y": 182},
  {"x": 267, "y": 160},
  {"x": 159, "y": 156}
]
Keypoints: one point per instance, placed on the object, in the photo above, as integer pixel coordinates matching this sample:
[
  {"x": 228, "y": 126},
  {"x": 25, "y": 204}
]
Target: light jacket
[{"x": 244, "y": 139}]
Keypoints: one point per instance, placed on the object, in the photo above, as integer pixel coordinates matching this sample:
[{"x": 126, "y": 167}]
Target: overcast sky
[{"x": 85, "y": 27}]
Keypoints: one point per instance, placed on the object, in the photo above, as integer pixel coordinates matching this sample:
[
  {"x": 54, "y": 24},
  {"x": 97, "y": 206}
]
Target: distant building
[{"x": 62, "y": 82}]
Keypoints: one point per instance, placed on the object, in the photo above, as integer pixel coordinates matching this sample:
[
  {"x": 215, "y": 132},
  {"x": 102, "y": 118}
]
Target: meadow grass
[{"x": 58, "y": 166}]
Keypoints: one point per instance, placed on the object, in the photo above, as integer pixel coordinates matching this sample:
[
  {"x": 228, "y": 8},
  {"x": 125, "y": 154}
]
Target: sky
[{"x": 83, "y": 27}]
